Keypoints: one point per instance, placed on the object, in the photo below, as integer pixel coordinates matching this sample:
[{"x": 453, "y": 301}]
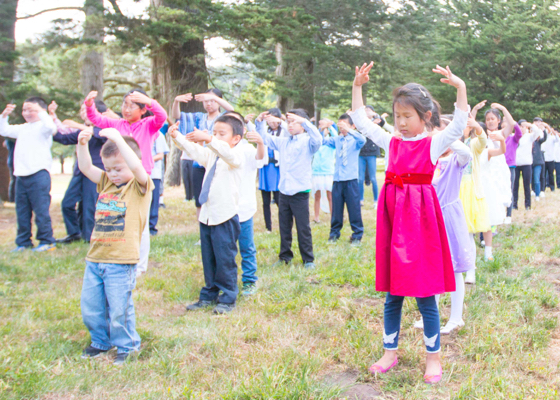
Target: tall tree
[{"x": 92, "y": 62}]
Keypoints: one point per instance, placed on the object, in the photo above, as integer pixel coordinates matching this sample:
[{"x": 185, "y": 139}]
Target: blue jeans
[
  {"x": 370, "y": 163},
  {"x": 80, "y": 189},
  {"x": 346, "y": 192},
  {"x": 107, "y": 307},
  {"x": 33, "y": 196},
  {"x": 537, "y": 179},
  {"x": 392, "y": 319},
  {"x": 248, "y": 252},
  {"x": 154, "y": 207}
]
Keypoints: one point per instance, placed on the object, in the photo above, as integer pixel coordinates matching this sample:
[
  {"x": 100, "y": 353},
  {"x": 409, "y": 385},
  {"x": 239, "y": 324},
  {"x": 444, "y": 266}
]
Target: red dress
[{"x": 412, "y": 250}]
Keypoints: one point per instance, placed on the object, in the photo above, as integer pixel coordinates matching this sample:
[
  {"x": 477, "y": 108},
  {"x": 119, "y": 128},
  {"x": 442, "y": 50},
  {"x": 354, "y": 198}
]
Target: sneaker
[
  {"x": 355, "y": 242},
  {"x": 197, "y": 243},
  {"x": 249, "y": 288},
  {"x": 332, "y": 240},
  {"x": 489, "y": 258},
  {"x": 279, "y": 263},
  {"x": 527, "y": 208},
  {"x": 537, "y": 198},
  {"x": 309, "y": 265},
  {"x": 451, "y": 326},
  {"x": 19, "y": 249},
  {"x": 92, "y": 352},
  {"x": 199, "y": 305},
  {"x": 123, "y": 357},
  {"x": 362, "y": 203},
  {"x": 162, "y": 205},
  {"x": 507, "y": 221},
  {"x": 45, "y": 247},
  {"x": 223, "y": 308},
  {"x": 542, "y": 194},
  {"x": 375, "y": 205},
  {"x": 70, "y": 239},
  {"x": 533, "y": 194}
]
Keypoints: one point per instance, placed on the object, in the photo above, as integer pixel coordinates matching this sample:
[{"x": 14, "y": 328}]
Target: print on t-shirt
[{"x": 110, "y": 213}]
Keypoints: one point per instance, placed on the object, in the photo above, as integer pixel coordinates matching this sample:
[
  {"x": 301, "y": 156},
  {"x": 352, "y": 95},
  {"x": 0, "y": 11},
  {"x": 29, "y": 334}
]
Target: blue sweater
[{"x": 95, "y": 144}]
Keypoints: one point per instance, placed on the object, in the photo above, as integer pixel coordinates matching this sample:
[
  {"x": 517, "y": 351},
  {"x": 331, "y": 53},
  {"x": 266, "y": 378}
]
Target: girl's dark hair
[
  {"x": 275, "y": 112},
  {"x": 418, "y": 97},
  {"x": 497, "y": 114},
  {"x": 148, "y": 113},
  {"x": 100, "y": 105},
  {"x": 346, "y": 117},
  {"x": 300, "y": 111},
  {"x": 217, "y": 92}
]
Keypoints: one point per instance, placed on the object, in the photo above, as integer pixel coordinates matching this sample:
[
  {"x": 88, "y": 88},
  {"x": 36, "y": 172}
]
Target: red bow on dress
[{"x": 410, "y": 179}]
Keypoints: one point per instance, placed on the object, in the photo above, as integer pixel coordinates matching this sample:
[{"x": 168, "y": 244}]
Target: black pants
[
  {"x": 198, "y": 178},
  {"x": 527, "y": 171},
  {"x": 266, "y": 196},
  {"x": 83, "y": 191},
  {"x": 290, "y": 208},
  {"x": 218, "y": 245},
  {"x": 187, "y": 175},
  {"x": 549, "y": 167},
  {"x": 512, "y": 179},
  {"x": 557, "y": 168},
  {"x": 12, "y": 187},
  {"x": 154, "y": 207},
  {"x": 346, "y": 192},
  {"x": 33, "y": 196}
]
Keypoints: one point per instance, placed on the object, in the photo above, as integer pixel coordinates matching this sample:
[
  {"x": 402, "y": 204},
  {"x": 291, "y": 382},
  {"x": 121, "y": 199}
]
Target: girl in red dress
[{"x": 412, "y": 250}]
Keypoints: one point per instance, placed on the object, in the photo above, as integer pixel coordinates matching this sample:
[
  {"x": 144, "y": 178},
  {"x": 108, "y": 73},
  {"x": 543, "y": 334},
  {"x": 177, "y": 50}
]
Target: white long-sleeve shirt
[
  {"x": 548, "y": 148},
  {"x": 33, "y": 144},
  {"x": 248, "y": 188},
  {"x": 524, "y": 152},
  {"x": 440, "y": 142}
]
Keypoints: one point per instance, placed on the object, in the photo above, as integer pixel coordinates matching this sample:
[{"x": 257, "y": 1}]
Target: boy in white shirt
[
  {"x": 219, "y": 197},
  {"x": 159, "y": 150},
  {"x": 32, "y": 163}
]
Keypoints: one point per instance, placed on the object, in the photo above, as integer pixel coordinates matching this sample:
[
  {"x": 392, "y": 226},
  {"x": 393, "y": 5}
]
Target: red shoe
[
  {"x": 432, "y": 379},
  {"x": 378, "y": 369}
]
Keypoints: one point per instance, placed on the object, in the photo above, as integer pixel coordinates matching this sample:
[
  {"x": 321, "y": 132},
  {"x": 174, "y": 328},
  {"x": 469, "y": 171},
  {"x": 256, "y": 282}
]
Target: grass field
[{"x": 304, "y": 335}]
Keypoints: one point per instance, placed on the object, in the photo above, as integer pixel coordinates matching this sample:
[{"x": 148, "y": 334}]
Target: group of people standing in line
[{"x": 447, "y": 179}]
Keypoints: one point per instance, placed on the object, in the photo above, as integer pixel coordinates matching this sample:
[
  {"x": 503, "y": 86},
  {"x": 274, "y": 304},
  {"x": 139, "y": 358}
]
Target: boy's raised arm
[
  {"x": 7, "y": 130},
  {"x": 193, "y": 150},
  {"x": 85, "y": 164}
]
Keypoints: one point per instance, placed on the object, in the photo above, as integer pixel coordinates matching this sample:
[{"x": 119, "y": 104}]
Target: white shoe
[
  {"x": 533, "y": 194},
  {"x": 507, "y": 221},
  {"x": 197, "y": 243},
  {"x": 419, "y": 324},
  {"x": 537, "y": 198},
  {"x": 483, "y": 243},
  {"x": 470, "y": 277},
  {"x": 542, "y": 194},
  {"x": 375, "y": 205},
  {"x": 362, "y": 203},
  {"x": 451, "y": 326}
]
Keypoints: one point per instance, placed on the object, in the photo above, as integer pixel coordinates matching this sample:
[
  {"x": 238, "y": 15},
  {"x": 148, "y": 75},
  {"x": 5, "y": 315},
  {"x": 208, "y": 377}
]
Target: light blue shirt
[
  {"x": 296, "y": 153},
  {"x": 159, "y": 146},
  {"x": 323, "y": 160},
  {"x": 354, "y": 142}
]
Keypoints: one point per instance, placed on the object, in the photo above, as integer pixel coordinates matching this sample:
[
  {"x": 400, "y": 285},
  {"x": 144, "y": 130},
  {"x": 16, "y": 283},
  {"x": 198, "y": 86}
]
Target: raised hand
[
  {"x": 496, "y": 137},
  {"x": 362, "y": 74},
  {"x": 272, "y": 118},
  {"x": 344, "y": 126},
  {"x": 479, "y": 105},
  {"x": 85, "y": 136},
  {"x": 137, "y": 97},
  {"x": 205, "y": 97},
  {"x": 449, "y": 79},
  {"x": 52, "y": 108},
  {"x": 8, "y": 110},
  {"x": 173, "y": 130},
  {"x": 254, "y": 137},
  {"x": 71, "y": 124},
  {"x": 184, "y": 98},
  {"x": 90, "y": 98},
  {"x": 296, "y": 118},
  {"x": 249, "y": 118},
  {"x": 384, "y": 115},
  {"x": 199, "y": 136},
  {"x": 111, "y": 134},
  {"x": 497, "y": 106},
  {"x": 471, "y": 123}
]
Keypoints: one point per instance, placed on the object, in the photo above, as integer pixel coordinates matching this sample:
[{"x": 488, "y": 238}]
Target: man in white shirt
[{"x": 32, "y": 163}]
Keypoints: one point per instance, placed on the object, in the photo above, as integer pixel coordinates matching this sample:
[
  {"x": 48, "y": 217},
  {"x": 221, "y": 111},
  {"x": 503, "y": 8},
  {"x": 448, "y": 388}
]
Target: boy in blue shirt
[
  {"x": 295, "y": 153},
  {"x": 345, "y": 186}
]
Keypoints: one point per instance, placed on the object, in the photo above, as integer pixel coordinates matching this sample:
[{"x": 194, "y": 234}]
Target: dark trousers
[
  {"x": 290, "y": 208},
  {"x": 187, "y": 175},
  {"x": 218, "y": 245},
  {"x": 512, "y": 179},
  {"x": 266, "y": 196},
  {"x": 346, "y": 192},
  {"x": 80, "y": 190},
  {"x": 198, "y": 178},
  {"x": 526, "y": 170},
  {"x": 543, "y": 178},
  {"x": 12, "y": 186},
  {"x": 557, "y": 168},
  {"x": 549, "y": 167},
  {"x": 33, "y": 196},
  {"x": 154, "y": 207}
]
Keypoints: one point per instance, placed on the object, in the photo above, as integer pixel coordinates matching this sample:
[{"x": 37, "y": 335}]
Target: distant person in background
[
  {"x": 323, "y": 169},
  {"x": 11, "y": 145},
  {"x": 368, "y": 161},
  {"x": 159, "y": 150}
]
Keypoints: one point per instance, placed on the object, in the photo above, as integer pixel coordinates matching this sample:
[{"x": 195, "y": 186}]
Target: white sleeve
[
  {"x": 463, "y": 152},
  {"x": 370, "y": 130},
  {"x": 453, "y": 132},
  {"x": 10, "y": 131},
  {"x": 388, "y": 127}
]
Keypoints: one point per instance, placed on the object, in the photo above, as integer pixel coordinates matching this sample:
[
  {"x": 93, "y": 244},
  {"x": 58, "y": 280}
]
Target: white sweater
[{"x": 524, "y": 153}]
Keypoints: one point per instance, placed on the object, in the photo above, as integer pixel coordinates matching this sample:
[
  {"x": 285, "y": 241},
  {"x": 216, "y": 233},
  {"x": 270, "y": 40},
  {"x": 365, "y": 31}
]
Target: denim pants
[
  {"x": 187, "y": 175},
  {"x": 248, "y": 252},
  {"x": 370, "y": 163},
  {"x": 80, "y": 189},
  {"x": 154, "y": 207},
  {"x": 346, "y": 192},
  {"x": 218, "y": 245},
  {"x": 107, "y": 307},
  {"x": 512, "y": 178},
  {"x": 392, "y": 319},
  {"x": 537, "y": 179},
  {"x": 33, "y": 196}
]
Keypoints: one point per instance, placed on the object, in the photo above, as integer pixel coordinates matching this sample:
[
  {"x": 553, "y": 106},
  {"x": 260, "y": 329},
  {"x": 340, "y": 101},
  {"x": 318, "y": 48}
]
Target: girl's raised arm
[{"x": 456, "y": 82}]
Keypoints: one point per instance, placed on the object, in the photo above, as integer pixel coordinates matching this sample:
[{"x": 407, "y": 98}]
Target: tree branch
[
  {"x": 116, "y": 7},
  {"x": 49, "y": 10}
]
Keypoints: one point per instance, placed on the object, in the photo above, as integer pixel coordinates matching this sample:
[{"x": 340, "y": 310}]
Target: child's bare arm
[{"x": 92, "y": 172}]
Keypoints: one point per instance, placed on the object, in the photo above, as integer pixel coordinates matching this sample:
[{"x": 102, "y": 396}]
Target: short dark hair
[
  {"x": 275, "y": 112},
  {"x": 217, "y": 92},
  {"x": 418, "y": 97},
  {"x": 101, "y": 106},
  {"x": 521, "y": 121},
  {"x": 371, "y": 108},
  {"x": 236, "y": 124},
  {"x": 237, "y": 115},
  {"x": 539, "y": 119},
  {"x": 346, "y": 117},
  {"x": 37, "y": 100},
  {"x": 110, "y": 148},
  {"x": 300, "y": 112}
]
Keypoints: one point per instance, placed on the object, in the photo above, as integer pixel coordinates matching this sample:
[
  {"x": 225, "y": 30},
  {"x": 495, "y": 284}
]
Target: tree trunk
[
  {"x": 8, "y": 10},
  {"x": 61, "y": 158},
  {"x": 178, "y": 68},
  {"x": 92, "y": 59},
  {"x": 307, "y": 98}
]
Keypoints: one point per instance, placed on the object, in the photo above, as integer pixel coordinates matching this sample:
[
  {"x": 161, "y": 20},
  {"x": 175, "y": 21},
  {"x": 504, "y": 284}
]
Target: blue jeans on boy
[
  {"x": 537, "y": 179},
  {"x": 392, "y": 320},
  {"x": 33, "y": 196},
  {"x": 218, "y": 245},
  {"x": 346, "y": 192},
  {"x": 248, "y": 252},
  {"x": 107, "y": 306},
  {"x": 80, "y": 189},
  {"x": 369, "y": 162},
  {"x": 154, "y": 207}
]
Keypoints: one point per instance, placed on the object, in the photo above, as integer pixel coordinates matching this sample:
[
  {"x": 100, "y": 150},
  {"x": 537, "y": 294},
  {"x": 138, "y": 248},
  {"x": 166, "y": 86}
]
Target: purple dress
[{"x": 447, "y": 181}]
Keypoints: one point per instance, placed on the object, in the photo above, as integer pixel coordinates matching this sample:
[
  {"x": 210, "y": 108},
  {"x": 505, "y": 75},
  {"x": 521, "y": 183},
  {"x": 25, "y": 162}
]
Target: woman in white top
[{"x": 524, "y": 161}]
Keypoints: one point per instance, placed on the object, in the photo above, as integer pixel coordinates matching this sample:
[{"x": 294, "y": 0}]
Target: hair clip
[{"x": 425, "y": 95}]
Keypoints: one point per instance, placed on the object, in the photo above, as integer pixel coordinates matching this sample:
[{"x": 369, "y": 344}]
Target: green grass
[{"x": 301, "y": 328}]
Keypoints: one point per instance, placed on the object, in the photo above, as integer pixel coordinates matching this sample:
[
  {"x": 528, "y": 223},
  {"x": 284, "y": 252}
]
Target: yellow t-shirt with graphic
[{"x": 121, "y": 213}]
